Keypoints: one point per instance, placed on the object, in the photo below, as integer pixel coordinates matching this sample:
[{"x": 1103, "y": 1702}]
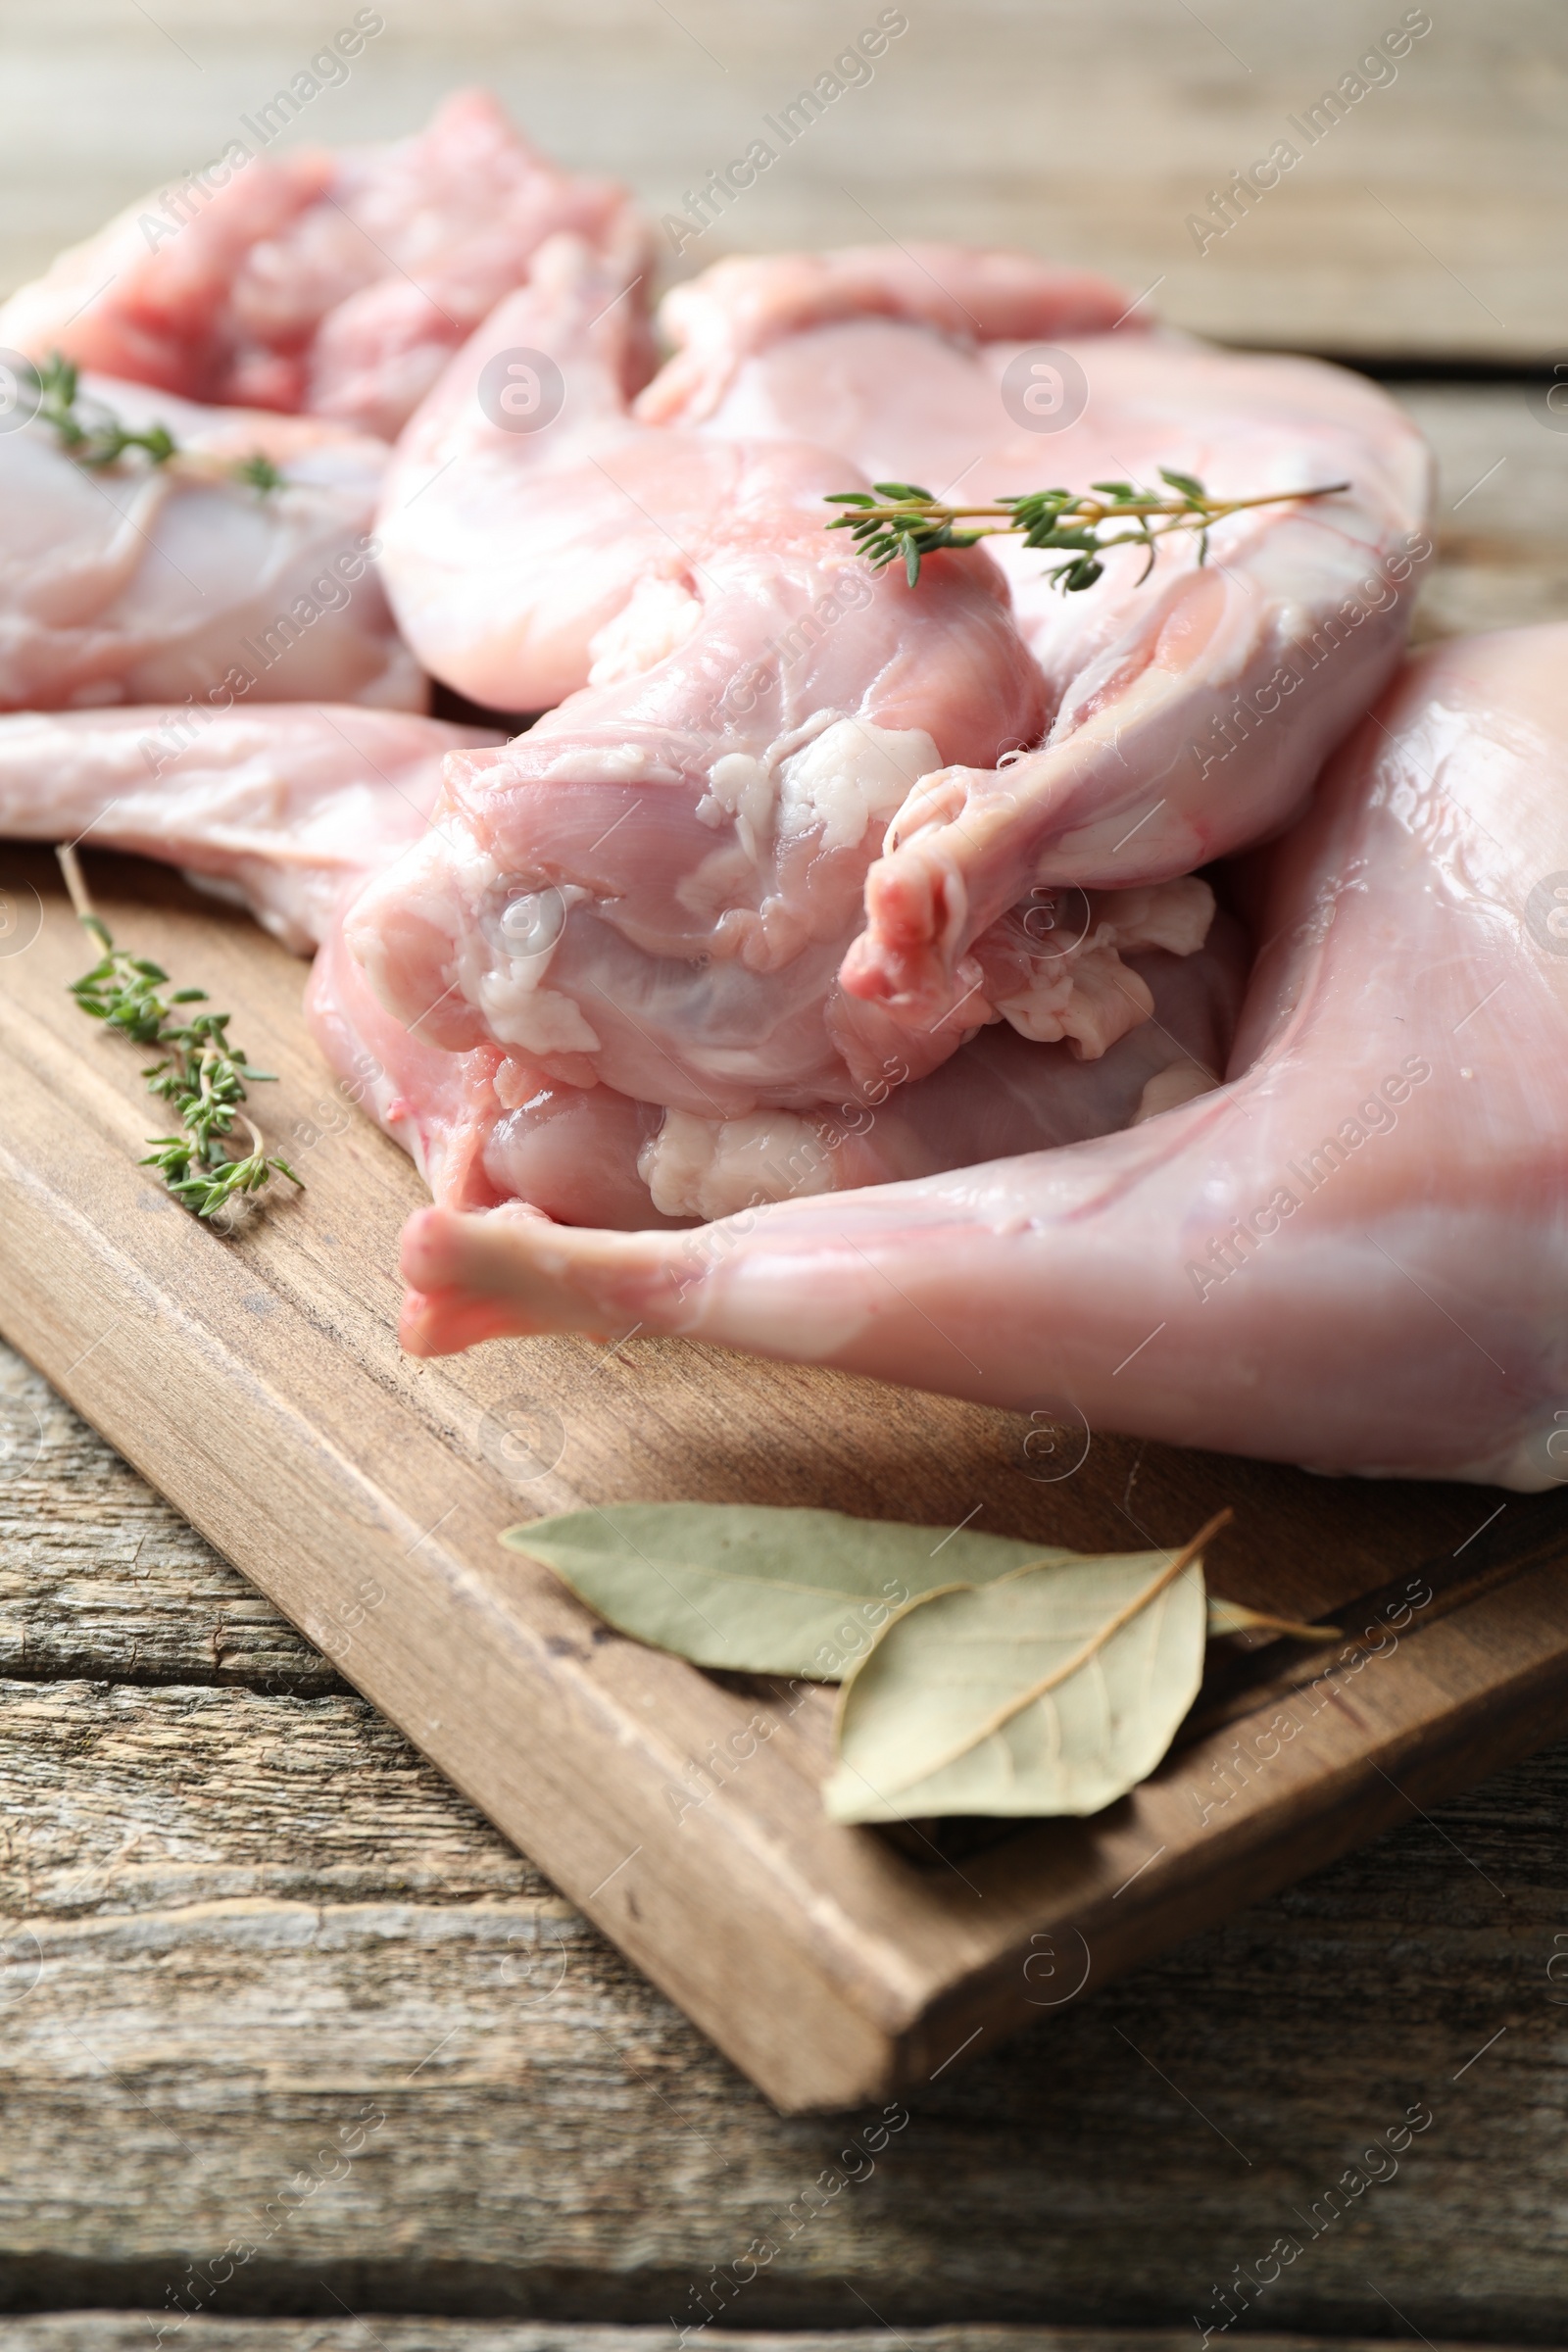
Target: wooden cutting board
[{"x": 257, "y": 1382}]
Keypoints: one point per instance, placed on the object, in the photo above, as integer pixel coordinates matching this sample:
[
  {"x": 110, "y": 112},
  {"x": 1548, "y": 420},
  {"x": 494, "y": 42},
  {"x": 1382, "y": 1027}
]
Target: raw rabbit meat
[
  {"x": 528, "y": 557},
  {"x": 334, "y": 284},
  {"x": 287, "y": 809},
  {"x": 282, "y": 809},
  {"x": 1353, "y": 1255},
  {"x": 143, "y": 583},
  {"x": 659, "y": 889},
  {"x": 486, "y": 1126},
  {"x": 1156, "y": 757}
]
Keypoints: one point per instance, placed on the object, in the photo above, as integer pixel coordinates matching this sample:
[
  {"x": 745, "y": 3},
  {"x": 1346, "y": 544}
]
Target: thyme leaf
[
  {"x": 94, "y": 436},
  {"x": 900, "y": 521},
  {"x": 259, "y": 470},
  {"x": 201, "y": 1075}
]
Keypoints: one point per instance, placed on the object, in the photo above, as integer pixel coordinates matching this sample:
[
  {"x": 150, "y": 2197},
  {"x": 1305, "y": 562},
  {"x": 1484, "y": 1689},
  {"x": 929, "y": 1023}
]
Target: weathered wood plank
[
  {"x": 172, "y": 2075},
  {"x": 1297, "y": 2020},
  {"x": 100, "y": 1578},
  {"x": 158, "y": 1798},
  {"x": 123, "y": 2331},
  {"x": 199, "y": 2020},
  {"x": 232, "y": 1973},
  {"x": 1424, "y": 220},
  {"x": 1501, "y": 515},
  {"x": 259, "y": 1380}
]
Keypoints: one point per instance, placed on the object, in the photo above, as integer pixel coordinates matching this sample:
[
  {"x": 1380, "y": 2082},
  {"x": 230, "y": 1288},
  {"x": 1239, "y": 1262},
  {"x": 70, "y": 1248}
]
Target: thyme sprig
[
  {"x": 94, "y": 436},
  {"x": 201, "y": 1076},
  {"x": 259, "y": 470},
  {"x": 901, "y": 520},
  {"x": 97, "y": 438}
]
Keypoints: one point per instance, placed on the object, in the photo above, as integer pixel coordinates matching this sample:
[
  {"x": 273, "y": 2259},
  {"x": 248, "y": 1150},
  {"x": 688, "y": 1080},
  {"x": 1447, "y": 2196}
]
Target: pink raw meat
[
  {"x": 659, "y": 889},
  {"x": 286, "y": 809},
  {"x": 1353, "y": 1255},
  {"x": 338, "y": 285},
  {"x": 486, "y": 1126},
  {"x": 525, "y": 563},
  {"x": 282, "y": 808},
  {"x": 142, "y": 583},
  {"x": 1158, "y": 752}
]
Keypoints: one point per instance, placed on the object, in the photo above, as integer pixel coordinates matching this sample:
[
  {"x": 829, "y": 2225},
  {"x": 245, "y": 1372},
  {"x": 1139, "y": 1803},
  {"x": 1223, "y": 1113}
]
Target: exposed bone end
[
  {"x": 445, "y": 1322},
  {"x": 509, "y": 1272},
  {"x": 915, "y": 907},
  {"x": 466, "y": 1284}
]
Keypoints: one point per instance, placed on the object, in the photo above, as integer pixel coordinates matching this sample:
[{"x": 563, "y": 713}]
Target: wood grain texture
[
  {"x": 1064, "y": 2177},
  {"x": 239, "y": 1921},
  {"x": 1500, "y": 513},
  {"x": 258, "y": 1380},
  {"x": 146, "y": 1601},
  {"x": 1426, "y": 220},
  {"x": 111, "y": 2331},
  {"x": 115, "y": 2331}
]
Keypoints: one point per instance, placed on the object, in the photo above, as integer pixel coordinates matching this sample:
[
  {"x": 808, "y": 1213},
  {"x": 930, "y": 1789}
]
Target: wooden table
[
  {"x": 282, "y": 1951},
  {"x": 1422, "y": 216},
  {"x": 264, "y": 1979}
]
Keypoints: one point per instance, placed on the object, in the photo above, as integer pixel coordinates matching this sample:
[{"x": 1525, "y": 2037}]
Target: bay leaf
[
  {"x": 1050, "y": 1690},
  {"x": 759, "y": 1588},
  {"x": 1234, "y": 1617}
]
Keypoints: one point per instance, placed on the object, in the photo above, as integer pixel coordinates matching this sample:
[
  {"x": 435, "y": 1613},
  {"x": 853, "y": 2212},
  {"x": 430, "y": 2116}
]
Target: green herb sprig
[
  {"x": 98, "y": 439},
  {"x": 259, "y": 470},
  {"x": 901, "y": 520},
  {"x": 201, "y": 1076},
  {"x": 95, "y": 437}
]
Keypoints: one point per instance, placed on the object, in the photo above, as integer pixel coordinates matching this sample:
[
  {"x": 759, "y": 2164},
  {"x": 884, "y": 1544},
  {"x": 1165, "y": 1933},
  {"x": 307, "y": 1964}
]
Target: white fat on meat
[
  {"x": 541, "y": 1020},
  {"x": 852, "y": 773},
  {"x": 833, "y": 776},
  {"x": 609, "y": 764},
  {"x": 711, "y": 1167},
  {"x": 1053, "y": 967}
]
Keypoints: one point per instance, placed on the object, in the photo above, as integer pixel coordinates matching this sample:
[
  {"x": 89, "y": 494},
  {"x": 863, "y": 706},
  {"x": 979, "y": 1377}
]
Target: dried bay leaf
[
  {"x": 759, "y": 1588},
  {"x": 1050, "y": 1690},
  {"x": 1234, "y": 1617}
]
